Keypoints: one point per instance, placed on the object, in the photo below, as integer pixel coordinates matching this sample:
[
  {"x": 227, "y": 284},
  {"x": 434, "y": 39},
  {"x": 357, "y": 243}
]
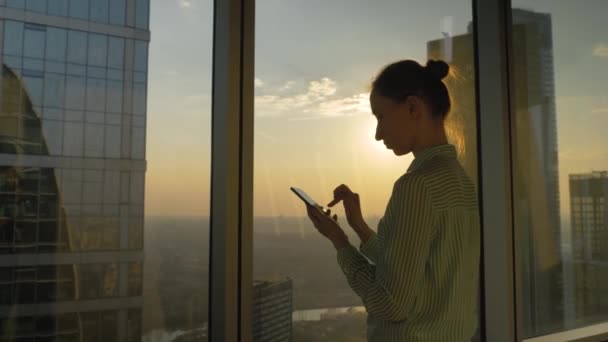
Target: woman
[{"x": 422, "y": 281}]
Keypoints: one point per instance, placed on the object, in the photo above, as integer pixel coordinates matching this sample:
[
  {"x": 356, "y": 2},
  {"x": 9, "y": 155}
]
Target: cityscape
[{"x": 82, "y": 260}]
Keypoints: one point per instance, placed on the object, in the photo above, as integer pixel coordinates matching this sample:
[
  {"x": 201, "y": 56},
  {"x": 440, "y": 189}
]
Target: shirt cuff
[
  {"x": 370, "y": 247},
  {"x": 350, "y": 259}
]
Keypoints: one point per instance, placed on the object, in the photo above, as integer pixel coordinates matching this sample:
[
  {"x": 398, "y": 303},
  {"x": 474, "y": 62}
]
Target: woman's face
[{"x": 396, "y": 122}]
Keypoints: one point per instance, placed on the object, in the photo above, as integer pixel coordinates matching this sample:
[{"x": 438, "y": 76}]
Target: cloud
[
  {"x": 184, "y": 3},
  {"x": 258, "y": 82},
  {"x": 318, "y": 101},
  {"x": 287, "y": 86},
  {"x": 601, "y": 50}
]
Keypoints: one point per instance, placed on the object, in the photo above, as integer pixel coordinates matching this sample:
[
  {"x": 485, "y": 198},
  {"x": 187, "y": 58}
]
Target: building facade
[
  {"x": 272, "y": 309},
  {"x": 588, "y": 212},
  {"x": 72, "y": 168}
]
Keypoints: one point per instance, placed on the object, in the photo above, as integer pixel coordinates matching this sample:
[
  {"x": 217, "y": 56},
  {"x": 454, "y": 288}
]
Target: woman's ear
[{"x": 413, "y": 104}]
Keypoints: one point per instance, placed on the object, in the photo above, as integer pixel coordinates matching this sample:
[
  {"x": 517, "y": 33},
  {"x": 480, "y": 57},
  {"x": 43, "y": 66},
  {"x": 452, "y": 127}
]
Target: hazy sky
[{"x": 314, "y": 62}]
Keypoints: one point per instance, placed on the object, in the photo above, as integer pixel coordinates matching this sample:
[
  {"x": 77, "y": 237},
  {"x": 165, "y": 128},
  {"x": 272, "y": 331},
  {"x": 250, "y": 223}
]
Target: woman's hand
[
  {"x": 327, "y": 226},
  {"x": 352, "y": 206}
]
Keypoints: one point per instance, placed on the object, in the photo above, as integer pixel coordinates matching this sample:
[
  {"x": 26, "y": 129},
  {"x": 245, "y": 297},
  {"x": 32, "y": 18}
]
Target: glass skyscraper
[
  {"x": 72, "y": 168},
  {"x": 589, "y": 264}
]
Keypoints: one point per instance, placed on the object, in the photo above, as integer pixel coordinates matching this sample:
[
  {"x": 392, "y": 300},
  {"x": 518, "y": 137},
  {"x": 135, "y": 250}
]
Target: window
[
  {"x": 554, "y": 88},
  {"x": 56, "y": 44},
  {"x": 314, "y": 129}
]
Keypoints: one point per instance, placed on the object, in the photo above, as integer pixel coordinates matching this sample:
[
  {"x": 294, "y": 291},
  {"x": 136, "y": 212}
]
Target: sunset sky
[{"x": 313, "y": 126}]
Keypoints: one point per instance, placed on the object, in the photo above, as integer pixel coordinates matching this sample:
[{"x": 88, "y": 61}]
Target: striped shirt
[{"x": 422, "y": 281}]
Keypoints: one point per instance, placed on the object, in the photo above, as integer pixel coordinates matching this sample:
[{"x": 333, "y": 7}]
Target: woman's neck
[{"x": 435, "y": 138}]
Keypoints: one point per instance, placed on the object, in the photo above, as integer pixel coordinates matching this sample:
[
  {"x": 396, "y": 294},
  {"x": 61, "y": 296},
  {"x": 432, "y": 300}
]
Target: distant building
[
  {"x": 272, "y": 308},
  {"x": 535, "y": 162},
  {"x": 589, "y": 215}
]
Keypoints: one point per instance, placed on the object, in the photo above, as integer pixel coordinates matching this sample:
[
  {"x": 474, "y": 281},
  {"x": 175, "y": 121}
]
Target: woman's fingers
[{"x": 342, "y": 192}]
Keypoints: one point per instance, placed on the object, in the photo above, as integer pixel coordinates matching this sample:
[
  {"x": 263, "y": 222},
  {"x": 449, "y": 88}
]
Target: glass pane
[
  {"x": 559, "y": 162},
  {"x": 13, "y": 38},
  {"x": 116, "y": 52},
  {"x": 178, "y": 106},
  {"x": 77, "y": 185},
  {"x": 58, "y": 7},
  {"x": 54, "y": 90},
  {"x": 117, "y": 12},
  {"x": 56, "y": 44},
  {"x": 142, "y": 11},
  {"x": 36, "y": 5},
  {"x": 75, "y": 92},
  {"x": 77, "y": 47},
  {"x": 99, "y": 11},
  {"x": 141, "y": 55},
  {"x": 96, "y": 94},
  {"x": 114, "y": 97},
  {"x": 15, "y": 3},
  {"x": 98, "y": 49},
  {"x": 315, "y": 130},
  {"x": 34, "y": 37},
  {"x": 79, "y": 9}
]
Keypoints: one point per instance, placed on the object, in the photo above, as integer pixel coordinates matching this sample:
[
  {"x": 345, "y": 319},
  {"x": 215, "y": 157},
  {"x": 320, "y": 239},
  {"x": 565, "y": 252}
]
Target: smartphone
[{"x": 304, "y": 197}]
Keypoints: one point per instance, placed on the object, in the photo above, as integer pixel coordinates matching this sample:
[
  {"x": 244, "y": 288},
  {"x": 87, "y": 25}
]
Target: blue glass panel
[
  {"x": 117, "y": 12},
  {"x": 33, "y": 86},
  {"x": 139, "y": 99},
  {"x": 54, "y": 90},
  {"x": 114, "y": 97},
  {"x": 34, "y": 39},
  {"x": 13, "y": 38},
  {"x": 75, "y": 92},
  {"x": 36, "y": 5},
  {"x": 142, "y": 10},
  {"x": 79, "y": 9},
  {"x": 15, "y": 3},
  {"x": 58, "y": 7},
  {"x": 33, "y": 64},
  {"x": 56, "y": 67},
  {"x": 98, "y": 49},
  {"x": 141, "y": 55},
  {"x": 99, "y": 11},
  {"x": 116, "y": 52},
  {"x": 77, "y": 47},
  {"x": 115, "y": 74},
  {"x": 56, "y": 44},
  {"x": 77, "y": 70},
  {"x": 96, "y": 95}
]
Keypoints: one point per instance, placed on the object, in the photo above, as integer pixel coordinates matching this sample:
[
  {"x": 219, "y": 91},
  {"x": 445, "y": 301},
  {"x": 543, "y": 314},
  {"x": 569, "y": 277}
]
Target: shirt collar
[{"x": 429, "y": 153}]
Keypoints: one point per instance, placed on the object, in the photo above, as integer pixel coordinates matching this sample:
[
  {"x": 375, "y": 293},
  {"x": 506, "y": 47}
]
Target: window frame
[{"x": 230, "y": 281}]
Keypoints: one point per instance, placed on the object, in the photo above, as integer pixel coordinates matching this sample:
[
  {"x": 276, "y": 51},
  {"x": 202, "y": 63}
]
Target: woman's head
[{"x": 410, "y": 102}]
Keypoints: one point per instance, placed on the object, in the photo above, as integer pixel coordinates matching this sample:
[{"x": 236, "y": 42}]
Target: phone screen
[{"x": 307, "y": 199}]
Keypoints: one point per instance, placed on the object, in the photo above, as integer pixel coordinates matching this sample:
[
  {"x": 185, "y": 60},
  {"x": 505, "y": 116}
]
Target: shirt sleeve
[
  {"x": 389, "y": 288},
  {"x": 370, "y": 248}
]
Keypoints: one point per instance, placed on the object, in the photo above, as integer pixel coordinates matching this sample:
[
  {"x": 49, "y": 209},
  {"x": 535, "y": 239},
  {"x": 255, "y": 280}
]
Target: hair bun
[{"x": 438, "y": 68}]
